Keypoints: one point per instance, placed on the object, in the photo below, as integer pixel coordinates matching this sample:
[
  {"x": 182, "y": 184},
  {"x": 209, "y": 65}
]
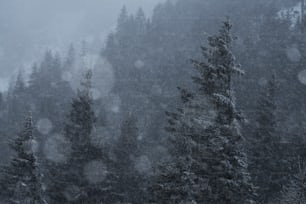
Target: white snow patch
[
  {"x": 95, "y": 172},
  {"x": 57, "y": 148},
  {"x": 302, "y": 76},
  {"x": 44, "y": 126}
]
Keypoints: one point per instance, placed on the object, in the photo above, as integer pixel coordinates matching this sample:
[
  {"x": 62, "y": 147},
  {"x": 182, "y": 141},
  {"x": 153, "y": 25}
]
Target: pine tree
[
  {"x": 70, "y": 59},
  {"x": 209, "y": 162},
  {"x": 70, "y": 183},
  {"x": 265, "y": 156},
  {"x": 129, "y": 183},
  {"x": 140, "y": 20},
  {"x": 21, "y": 179},
  {"x": 223, "y": 162},
  {"x": 173, "y": 182},
  {"x": 122, "y": 20},
  {"x": 294, "y": 193}
]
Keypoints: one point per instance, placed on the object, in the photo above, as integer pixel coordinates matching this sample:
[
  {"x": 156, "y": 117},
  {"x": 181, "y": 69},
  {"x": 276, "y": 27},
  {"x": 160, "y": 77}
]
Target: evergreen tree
[
  {"x": 210, "y": 164},
  {"x": 173, "y": 182},
  {"x": 122, "y": 20},
  {"x": 265, "y": 156},
  {"x": 295, "y": 192},
  {"x": 71, "y": 184},
  {"x": 21, "y": 179},
  {"x": 129, "y": 182},
  {"x": 223, "y": 162},
  {"x": 17, "y": 101},
  {"x": 70, "y": 59},
  {"x": 141, "y": 22}
]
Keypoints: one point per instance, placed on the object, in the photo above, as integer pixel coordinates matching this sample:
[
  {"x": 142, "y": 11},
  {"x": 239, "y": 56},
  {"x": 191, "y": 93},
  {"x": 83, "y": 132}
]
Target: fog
[
  {"x": 30, "y": 27},
  {"x": 180, "y": 102}
]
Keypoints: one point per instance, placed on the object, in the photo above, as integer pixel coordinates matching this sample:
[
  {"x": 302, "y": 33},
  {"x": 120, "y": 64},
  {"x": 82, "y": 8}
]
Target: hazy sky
[{"x": 28, "y": 27}]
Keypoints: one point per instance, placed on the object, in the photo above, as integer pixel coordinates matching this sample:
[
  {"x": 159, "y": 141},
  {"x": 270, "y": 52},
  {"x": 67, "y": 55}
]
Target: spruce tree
[
  {"x": 209, "y": 164},
  {"x": 20, "y": 181},
  {"x": 122, "y": 21},
  {"x": 223, "y": 161},
  {"x": 71, "y": 184},
  {"x": 295, "y": 192},
  {"x": 129, "y": 183},
  {"x": 264, "y": 153},
  {"x": 173, "y": 180}
]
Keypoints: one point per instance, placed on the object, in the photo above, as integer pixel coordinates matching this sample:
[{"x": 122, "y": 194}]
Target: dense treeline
[{"x": 230, "y": 133}]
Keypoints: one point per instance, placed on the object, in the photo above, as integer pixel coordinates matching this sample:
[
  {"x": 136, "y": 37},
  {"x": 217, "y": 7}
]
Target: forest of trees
[{"x": 166, "y": 113}]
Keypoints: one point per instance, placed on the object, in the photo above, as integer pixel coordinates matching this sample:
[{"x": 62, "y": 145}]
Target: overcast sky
[{"x": 28, "y": 27}]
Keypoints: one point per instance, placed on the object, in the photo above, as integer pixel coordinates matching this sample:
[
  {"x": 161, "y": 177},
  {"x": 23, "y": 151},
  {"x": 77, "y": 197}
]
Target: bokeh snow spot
[
  {"x": 1, "y": 52},
  {"x": 90, "y": 60},
  {"x": 72, "y": 193},
  {"x": 112, "y": 103},
  {"x": 293, "y": 54},
  {"x": 103, "y": 77},
  {"x": 302, "y": 76},
  {"x": 67, "y": 76},
  {"x": 140, "y": 136},
  {"x": 262, "y": 81},
  {"x": 57, "y": 148},
  {"x": 95, "y": 172},
  {"x": 96, "y": 94},
  {"x": 44, "y": 126},
  {"x": 139, "y": 64},
  {"x": 115, "y": 109},
  {"x": 143, "y": 165},
  {"x": 156, "y": 89},
  {"x": 30, "y": 146},
  {"x": 116, "y": 103}
]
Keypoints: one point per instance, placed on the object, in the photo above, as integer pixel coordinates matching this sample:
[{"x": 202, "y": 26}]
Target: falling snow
[
  {"x": 95, "y": 172},
  {"x": 143, "y": 165},
  {"x": 302, "y": 76},
  {"x": 139, "y": 64},
  {"x": 44, "y": 126},
  {"x": 56, "y": 148},
  {"x": 293, "y": 54},
  {"x": 262, "y": 81}
]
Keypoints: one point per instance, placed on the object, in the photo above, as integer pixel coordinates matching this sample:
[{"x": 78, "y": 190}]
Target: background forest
[{"x": 203, "y": 102}]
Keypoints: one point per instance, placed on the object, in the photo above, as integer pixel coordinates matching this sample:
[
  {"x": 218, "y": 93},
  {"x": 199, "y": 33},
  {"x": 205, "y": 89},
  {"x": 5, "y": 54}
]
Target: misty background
[
  {"x": 29, "y": 28},
  {"x": 160, "y": 102}
]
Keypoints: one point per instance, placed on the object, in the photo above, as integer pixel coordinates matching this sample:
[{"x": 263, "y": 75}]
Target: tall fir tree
[
  {"x": 73, "y": 180},
  {"x": 210, "y": 164},
  {"x": 21, "y": 182},
  {"x": 173, "y": 181},
  {"x": 129, "y": 182},
  {"x": 264, "y": 147},
  {"x": 295, "y": 192}
]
